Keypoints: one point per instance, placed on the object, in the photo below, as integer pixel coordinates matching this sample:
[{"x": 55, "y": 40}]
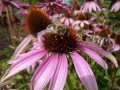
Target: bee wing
[
  {"x": 41, "y": 32},
  {"x": 55, "y": 20}
]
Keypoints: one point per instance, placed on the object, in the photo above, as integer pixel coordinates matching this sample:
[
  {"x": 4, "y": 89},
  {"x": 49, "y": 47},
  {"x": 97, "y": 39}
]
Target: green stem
[
  {"x": 69, "y": 84},
  {"x": 113, "y": 79},
  {"x": 10, "y": 27}
]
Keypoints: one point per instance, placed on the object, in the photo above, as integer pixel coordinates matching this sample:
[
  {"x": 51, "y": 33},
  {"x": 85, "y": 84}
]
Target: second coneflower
[
  {"x": 116, "y": 6},
  {"x": 89, "y": 6},
  {"x": 81, "y": 21},
  {"x": 36, "y": 21},
  {"x": 60, "y": 48},
  {"x": 103, "y": 37},
  {"x": 115, "y": 43}
]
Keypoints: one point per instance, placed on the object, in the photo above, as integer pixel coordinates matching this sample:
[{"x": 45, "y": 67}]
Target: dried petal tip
[{"x": 36, "y": 20}]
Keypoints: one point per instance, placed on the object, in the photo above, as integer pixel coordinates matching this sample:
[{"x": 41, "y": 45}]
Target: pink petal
[
  {"x": 102, "y": 52},
  {"x": 71, "y": 20},
  {"x": 95, "y": 57},
  {"x": 24, "y": 62},
  {"x": 15, "y": 4},
  {"x": 77, "y": 22},
  {"x": 59, "y": 78},
  {"x": 44, "y": 73},
  {"x": 62, "y": 19},
  {"x": 37, "y": 45},
  {"x": 94, "y": 6},
  {"x": 86, "y": 22},
  {"x": 84, "y": 72},
  {"x": 82, "y": 24},
  {"x": 66, "y": 22},
  {"x": 116, "y": 47},
  {"x": 22, "y": 46},
  {"x": 90, "y": 6}
]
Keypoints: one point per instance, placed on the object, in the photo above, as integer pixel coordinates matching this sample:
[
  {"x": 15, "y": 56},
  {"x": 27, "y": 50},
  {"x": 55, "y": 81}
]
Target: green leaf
[
  {"x": 118, "y": 72},
  {"x": 19, "y": 76}
]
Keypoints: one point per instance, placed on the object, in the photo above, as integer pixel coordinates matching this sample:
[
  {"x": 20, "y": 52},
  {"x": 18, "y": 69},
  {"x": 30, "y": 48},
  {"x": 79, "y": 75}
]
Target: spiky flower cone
[
  {"x": 104, "y": 32},
  {"x": 36, "y": 20}
]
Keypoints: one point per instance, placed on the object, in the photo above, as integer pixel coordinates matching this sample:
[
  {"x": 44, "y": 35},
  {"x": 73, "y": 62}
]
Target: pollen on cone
[{"x": 36, "y": 20}]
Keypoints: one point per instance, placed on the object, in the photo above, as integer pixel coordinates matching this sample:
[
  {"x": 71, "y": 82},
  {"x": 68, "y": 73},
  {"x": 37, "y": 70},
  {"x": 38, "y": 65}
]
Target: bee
[{"x": 57, "y": 27}]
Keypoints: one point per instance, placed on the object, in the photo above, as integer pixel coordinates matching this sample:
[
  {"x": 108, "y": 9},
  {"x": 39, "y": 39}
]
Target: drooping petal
[
  {"x": 59, "y": 78},
  {"x": 86, "y": 22},
  {"x": 66, "y": 22},
  {"x": 23, "y": 62},
  {"x": 44, "y": 73},
  {"x": 76, "y": 23},
  {"x": 15, "y": 4},
  {"x": 2, "y": 84},
  {"x": 82, "y": 24},
  {"x": 95, "y": 57},
  {"x": 23, "y": 44},
  {"x": 116, "y": 47},
  {"x": 84, "y": 72},
  {"x": 102, "y": 52}
]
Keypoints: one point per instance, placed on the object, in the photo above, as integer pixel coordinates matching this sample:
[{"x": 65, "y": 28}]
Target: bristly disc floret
[
  {"x": 104, "y": 32},
  {"x": 81, "y": 16},
  {"x": 36, "y": 20},
  {"x": 56, "y": 43}
]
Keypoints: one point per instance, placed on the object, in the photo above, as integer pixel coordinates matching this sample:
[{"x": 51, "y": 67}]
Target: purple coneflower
[
  {"x": 52, "y": 7},
  {"x": 17, "y": 3},
  {"x": 35, "y": 22},
  {"x": 67, "y": 19},
  {"x": 103, "y": 37},
  {"x": 89, "y": 6},
  {"x": 58, "y": 49},
  {"x": 115, "y": 7},
  {"x": 115, "y": 46},
  {"x": 81, "y": 22}
]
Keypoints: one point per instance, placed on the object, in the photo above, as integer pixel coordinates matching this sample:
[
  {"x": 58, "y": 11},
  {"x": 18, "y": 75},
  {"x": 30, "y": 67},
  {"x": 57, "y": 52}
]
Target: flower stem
[
  {"x": 10, "y": 27},
  {"x": 69, "y": 84},
  {"x": 113, "y": 79}
]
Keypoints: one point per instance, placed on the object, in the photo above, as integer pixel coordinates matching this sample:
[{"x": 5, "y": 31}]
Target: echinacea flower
[
  {"x": 23, "y": 10},
  {"x": 36, "y": 21},
  {"x": 116, "y": 6},
  {"x": 52, "y": 7},
  {"x": 89, "y": 6},
  {"x": 81, "y": 22},
  {"x": 54, "y": 68},
  {"x": 10, "y": 3},
  {"x": 67, "y": 19},
  {"x": 115, "y": 46},
  {"x": 103, "y": 37}
]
